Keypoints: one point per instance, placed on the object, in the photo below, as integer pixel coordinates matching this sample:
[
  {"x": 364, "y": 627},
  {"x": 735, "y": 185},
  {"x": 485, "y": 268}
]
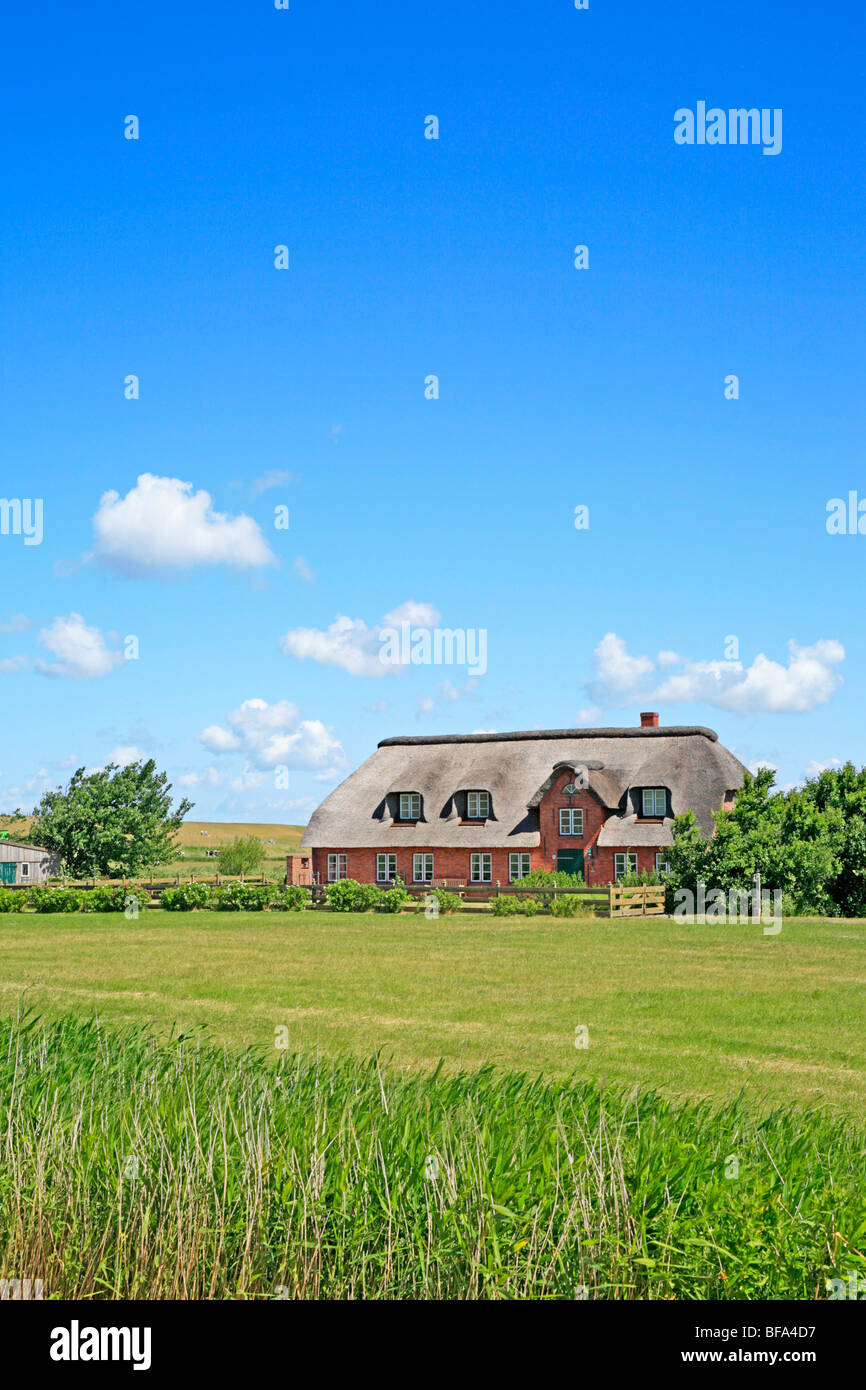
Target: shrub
[
  {"x": 507, "y": 906},
  {"x": 240, "y": 897},
  {"x": 540, "y": 878},
  {"x": 394, "y": 899},
  {"x": 649, "y": 878},
  {"x": 347, "y": 895},
  {"x": 290, "y": 897},
  {"x": 10, "y": 901},
  {"x": 186, "y": 898},
  {"x": 448, "y": 902},
  {"x": 243, "y": 856},
  {"x": 112, "y": 897},
  {"x": 571, "y": 905},
  {"x": 56, "y": 899}
]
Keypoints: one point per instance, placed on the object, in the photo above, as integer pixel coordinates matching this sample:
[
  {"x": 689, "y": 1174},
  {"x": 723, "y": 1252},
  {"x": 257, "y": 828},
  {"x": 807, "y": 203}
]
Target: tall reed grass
[{"x": 135, "y": 1168}]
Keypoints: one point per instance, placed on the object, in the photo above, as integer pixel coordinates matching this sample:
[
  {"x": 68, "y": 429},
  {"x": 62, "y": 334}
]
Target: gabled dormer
[
  {"x": 652, "y": 803},
  {"x": 405, "y": 808}
]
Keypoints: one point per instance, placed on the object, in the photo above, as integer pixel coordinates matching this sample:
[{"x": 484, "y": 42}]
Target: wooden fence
[{"x": 636, "y": 902}]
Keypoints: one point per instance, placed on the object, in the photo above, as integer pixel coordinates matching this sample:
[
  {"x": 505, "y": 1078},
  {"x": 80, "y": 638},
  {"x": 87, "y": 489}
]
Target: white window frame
[
  {"x": 426, "y": 874},
  {"x": 25, "y": 868},
  {"x": 408, "y": 802},
  {"x": 663, "y": 867},
  {"x": 481, "y": 802},
  {"x": 521, "y": 869},
  {"x": 480, "y": 867},
  {"x": 388, "y": 876},
  {"x": 627, "y": 866},
  {"x": 568, "y": 817},
  {"x": 655, "y": 794},
  {"x": 336, "y": 867}
]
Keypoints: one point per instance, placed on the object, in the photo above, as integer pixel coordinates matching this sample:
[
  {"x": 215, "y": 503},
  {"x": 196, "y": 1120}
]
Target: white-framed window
[
  {"x": 479, "y": 868},
  {"x": 25, "y": 870},
  {"x": 477, "y": 805},
  {"x": 570, "y": 820},
  {"x": 422, "y": 868},
  {"x": 386, "y": 868},
  {"x": 655, "y": 801},
  {"x": 410, "y": 805},
  {"x": 519, "y": 865},
  {"x": 624, "y": 864},
  {"x": 662, "y": 865},
  {"x": 336, "y": 867}
]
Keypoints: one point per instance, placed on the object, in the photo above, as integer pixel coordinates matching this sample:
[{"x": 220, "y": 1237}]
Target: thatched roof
[{"x": 515, "y": 769}]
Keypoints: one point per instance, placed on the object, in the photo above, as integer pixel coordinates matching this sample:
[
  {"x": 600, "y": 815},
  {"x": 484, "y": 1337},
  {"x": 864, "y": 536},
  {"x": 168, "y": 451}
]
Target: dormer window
[
  {"x": 410, "y": 805},
  {"x": 477, "y": 805},
  {"x": 654, "y": 802}
]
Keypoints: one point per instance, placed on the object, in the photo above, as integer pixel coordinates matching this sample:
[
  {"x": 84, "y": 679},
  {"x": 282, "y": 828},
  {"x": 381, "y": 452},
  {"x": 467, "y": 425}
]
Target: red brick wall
[
  {"x": 447, "y": 863},
  {"x": 603, "y": 862},
  {"x": 594, "y": 816}
]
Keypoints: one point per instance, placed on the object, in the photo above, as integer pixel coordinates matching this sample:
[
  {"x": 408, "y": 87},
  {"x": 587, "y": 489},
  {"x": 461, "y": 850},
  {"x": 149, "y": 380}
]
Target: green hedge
[{"x": 347, "y": 895}]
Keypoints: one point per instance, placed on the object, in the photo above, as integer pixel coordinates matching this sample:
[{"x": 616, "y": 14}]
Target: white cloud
[
  {"x": 272, "y": 735},
  {"x": 617, "y": 673},
  {"x": 808, "y": 680},
  {"x": 815, "y": 768},
  {"x": 19, "y": 622},
  {"x": 10, "y": 664},
  {"x": 161, "y": 524},
  {"x": 81, "y": 651},
  {"x": 302, "y": 569},
  {"x": 445, "y": 693},
  {"x": 353, "y": 646},
  {"x": 209, "y": 777},
  {"x": 668, "y": 659},
  {"x": 590, "y": 718},
  {"x": 275, "y": 477},
  {"x": 761, "y": 765},
  {"x": 127, "y": 753},
  {"x": 219, "y": 740}
]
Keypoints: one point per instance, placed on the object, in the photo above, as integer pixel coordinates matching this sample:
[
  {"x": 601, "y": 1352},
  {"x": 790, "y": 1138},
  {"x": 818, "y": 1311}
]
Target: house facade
[{"x": 476, "y": 809}]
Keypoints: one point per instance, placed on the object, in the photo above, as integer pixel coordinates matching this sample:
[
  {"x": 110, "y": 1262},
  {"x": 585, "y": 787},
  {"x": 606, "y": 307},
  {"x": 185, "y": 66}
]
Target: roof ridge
[{"x": 525, "y": 735}]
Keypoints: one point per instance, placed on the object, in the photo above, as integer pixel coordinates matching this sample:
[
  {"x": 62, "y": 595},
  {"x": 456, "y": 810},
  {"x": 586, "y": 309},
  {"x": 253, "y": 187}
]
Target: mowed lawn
[{"x": 693, "y": 1010}]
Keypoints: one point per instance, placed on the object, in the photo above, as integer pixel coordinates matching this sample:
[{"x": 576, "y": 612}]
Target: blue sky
[{"x": 305, "y": 388}]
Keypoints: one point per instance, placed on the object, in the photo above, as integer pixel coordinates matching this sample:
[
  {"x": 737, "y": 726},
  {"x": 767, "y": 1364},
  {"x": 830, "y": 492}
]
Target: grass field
[
  {"x": 179, "y": 1170},
  {"x": 696, "y": 1011}
]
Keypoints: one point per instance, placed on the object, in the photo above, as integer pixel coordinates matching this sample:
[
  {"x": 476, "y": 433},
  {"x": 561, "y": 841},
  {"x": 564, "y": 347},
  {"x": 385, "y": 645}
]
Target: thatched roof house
[{"x": 471, "y": 802}]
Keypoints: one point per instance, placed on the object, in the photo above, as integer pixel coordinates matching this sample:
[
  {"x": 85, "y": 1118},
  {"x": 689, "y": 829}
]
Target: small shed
[
  {"x": 299, "y": 869},
  {"x": 22, "y": 865}
]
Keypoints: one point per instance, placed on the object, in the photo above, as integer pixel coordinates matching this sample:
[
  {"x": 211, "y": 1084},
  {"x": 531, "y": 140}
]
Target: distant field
[
  {"x": 195, "y": 843},
  {"x": 195, "y": 837},
  {"x": 697, "y": 1011}
]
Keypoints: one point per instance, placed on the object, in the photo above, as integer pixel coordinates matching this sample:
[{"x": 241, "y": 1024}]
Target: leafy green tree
[
  {"x": 243, "y": 856},
  {"x": 784, "y": 836},
  {"x": 116, "y": 821}
]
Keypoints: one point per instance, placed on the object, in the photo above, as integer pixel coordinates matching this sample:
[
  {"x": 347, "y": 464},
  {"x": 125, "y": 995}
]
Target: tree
[
  {"x": 243, "y": 856},
  {"x": 117, "y": 821}
]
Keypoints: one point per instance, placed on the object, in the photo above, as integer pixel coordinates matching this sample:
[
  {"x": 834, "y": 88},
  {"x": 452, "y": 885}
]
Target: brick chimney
[{"x": 649, "y": 721}]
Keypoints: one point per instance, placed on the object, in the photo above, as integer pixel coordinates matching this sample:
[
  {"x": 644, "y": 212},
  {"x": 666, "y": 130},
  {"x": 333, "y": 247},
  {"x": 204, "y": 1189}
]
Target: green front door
[
  {"x": 570, "y": 861},
  {"x": 7, "y": 871}
]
